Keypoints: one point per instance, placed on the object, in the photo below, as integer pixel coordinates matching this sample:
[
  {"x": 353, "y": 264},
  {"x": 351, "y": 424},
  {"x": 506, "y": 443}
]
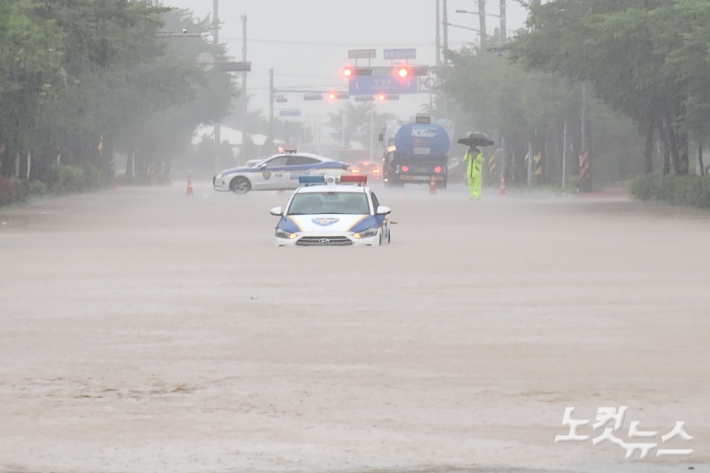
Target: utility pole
[
  {"x": 245, "y": 100},
  {"x": 585, "y": 163},
  {"x": 446, "y": 32},
  {"x": 217, "y": 128},
  {"x": 503, "y": 20},
  {"x": 372, "y": 133},
  {"x": 271, "y": 106},
  {"x": 531, "y": 156},
  {"x": 445, "y": 57},
  {"x": 531, "y": 165},
  {"x": 564, "y": 156},
  {"x": 438, "y": 33},
  {"x": 482, "y": 21}
]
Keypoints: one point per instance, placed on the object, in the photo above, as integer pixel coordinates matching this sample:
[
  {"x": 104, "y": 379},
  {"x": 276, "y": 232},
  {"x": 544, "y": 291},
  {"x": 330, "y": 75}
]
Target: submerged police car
[
  {"x": 332, "y": 211},
  {"x": 279, "y": 172}
]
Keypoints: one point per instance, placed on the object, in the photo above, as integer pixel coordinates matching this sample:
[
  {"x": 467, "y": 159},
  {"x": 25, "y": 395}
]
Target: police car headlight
[
  {"x": 369, "y": 233},
  {"x": 284, "y": 234},
  {"x": 219, "y": 176}
]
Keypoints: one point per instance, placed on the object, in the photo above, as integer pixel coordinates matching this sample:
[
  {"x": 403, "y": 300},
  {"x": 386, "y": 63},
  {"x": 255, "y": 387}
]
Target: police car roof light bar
[
  {"x": 310, "y": 180},
  {"x": 362, "y": 180}
]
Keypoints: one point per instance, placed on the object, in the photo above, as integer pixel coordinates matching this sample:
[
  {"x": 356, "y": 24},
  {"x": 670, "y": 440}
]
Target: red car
[{"x": 366, "y": 168}]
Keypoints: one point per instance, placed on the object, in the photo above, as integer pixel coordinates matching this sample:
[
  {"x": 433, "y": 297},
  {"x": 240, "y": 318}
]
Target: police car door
[
  {"x": 300, "y": 166},
  {"x": 271, "y": 174},
  {"x": 385, "y": 230}
]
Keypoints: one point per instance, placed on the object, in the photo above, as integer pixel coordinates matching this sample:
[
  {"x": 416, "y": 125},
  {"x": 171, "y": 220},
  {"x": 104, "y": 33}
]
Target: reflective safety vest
[{"x": 475, "y": 165}]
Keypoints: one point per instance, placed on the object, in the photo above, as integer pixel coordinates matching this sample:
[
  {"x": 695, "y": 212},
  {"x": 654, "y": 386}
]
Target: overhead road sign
[
  {"x": 362, "y": 54},
  {"x": 400, "y": 53},
  {"x": 289, "y": 113},
  {"x": 385, "y": 84},
  {"x": 353, "y": 71}
]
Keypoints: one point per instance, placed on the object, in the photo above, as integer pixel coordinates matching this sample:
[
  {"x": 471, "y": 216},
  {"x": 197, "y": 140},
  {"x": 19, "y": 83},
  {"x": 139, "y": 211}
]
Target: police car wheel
[
  {"x": 240, "y": 185},
  {"x": 380, "y": 239}
]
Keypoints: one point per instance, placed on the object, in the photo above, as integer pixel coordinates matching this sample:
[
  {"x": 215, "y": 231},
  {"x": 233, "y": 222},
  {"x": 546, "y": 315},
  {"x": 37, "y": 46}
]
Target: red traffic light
[
  {"x": 350, "y": 71},
  {"x": 381, "y": 97},
  {"x": 332, "y": 96},
  {"x": 402, "y": 72}
]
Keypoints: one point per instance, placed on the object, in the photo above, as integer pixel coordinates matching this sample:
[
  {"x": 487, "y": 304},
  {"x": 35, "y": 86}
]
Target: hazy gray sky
[{"x": 306, "y": 41}]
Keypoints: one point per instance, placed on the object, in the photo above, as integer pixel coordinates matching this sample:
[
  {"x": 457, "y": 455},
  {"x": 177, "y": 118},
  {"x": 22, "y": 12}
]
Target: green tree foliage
[
  {"x": 31, "y": 69},
  {"x": 645, "y": 58},
  {"x": 76, "y": 73},
  {"x": 530, "y": 108}
]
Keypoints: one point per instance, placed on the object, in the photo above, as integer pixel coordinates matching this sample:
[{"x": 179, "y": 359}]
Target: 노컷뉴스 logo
[{"x": 605, "y": 415}]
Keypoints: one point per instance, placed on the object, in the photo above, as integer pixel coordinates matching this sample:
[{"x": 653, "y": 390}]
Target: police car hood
[{"x": 327, "y": 223}]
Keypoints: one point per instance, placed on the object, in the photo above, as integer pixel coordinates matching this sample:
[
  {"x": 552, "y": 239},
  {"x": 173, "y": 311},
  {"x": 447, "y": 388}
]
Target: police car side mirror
[
  {"x": 382, "y": 210},
  {"x": 277, "y": 211}
]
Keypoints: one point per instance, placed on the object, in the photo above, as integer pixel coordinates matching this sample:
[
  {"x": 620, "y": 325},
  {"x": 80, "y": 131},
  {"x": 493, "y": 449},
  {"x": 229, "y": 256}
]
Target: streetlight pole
[
  {"x": 217, "y": 128},
  {"x": 271, "y": 105},
  {"x": 245, "y": 123}
]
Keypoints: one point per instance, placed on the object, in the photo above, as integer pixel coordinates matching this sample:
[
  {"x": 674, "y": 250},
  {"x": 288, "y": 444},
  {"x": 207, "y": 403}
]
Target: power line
[{"x": 318, "y": 43}]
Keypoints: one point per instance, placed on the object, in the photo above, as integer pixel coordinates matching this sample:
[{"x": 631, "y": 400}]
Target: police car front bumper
[
  {"x": 342, "y": 239},
  {"x": 220, "y": 184}
]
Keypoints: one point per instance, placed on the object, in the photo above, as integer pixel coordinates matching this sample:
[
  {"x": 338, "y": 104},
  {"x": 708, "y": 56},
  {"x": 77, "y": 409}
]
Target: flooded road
[{"x": 143, "y": 330}]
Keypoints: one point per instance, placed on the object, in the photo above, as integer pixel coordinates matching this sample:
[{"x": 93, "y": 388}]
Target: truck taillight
[
  {"x": 437, "y": 169},
  {"x": 405, "y": 168}
]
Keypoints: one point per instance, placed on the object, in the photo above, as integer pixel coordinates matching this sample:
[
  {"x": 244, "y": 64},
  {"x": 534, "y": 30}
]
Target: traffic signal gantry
[
  {"x": 383, "y": 83},
  {"x": 401, "y": 72},
  {"x": 365, "y": 84}
]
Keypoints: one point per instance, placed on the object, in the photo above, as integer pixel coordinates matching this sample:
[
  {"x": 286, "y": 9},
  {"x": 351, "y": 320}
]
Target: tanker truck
[{"x": 415, "y": 153}]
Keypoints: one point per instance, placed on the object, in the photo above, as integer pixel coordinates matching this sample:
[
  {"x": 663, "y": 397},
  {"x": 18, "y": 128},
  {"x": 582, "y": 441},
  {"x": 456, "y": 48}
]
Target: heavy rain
[{"x": 376, "y": 236}]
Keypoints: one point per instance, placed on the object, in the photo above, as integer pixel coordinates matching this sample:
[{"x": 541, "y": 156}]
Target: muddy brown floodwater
[{"x": 144, "y": 330}]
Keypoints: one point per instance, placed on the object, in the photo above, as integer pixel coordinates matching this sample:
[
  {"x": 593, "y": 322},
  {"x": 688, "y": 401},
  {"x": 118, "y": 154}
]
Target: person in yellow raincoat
[{"x": 474, "y": 158}]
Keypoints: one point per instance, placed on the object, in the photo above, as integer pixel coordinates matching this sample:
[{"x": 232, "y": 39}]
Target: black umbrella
[{"x": 475, "y": 138}]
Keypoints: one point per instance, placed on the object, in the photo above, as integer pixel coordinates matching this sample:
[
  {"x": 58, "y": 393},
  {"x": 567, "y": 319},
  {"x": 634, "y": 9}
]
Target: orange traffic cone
[
  {"x": 189, "y": 186},
  {"x": 432, "y": 185},
  {"x": 502, "y": 185}
]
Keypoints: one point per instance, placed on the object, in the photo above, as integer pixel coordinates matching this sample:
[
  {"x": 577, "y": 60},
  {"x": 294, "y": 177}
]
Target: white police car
[
  {"x": 331, "y": 211},
  {"x": 279, "y": 172}
]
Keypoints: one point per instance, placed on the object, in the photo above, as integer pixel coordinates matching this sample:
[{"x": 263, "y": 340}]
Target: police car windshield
[{"x": 329, "y": 203}]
